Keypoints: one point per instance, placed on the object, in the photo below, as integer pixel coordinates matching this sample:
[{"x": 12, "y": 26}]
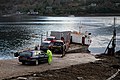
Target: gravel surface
[
  {"x": 13, "y": 68},
  {"x": 101, "y": 69}
]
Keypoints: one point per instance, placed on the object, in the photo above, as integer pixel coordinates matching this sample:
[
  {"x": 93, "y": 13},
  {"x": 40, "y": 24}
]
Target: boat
[
  {"x": 75, "y": 41},
  {"x": 73, "y": 37}
]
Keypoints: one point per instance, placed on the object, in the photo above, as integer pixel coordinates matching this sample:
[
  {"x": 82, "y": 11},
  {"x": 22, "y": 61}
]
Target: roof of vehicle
[
  {"x": 46, "y": 42},
  {"x": 32, "y": 51},
  {"x": 51, "y": 37},
  {"x": 58, "y": 41}
]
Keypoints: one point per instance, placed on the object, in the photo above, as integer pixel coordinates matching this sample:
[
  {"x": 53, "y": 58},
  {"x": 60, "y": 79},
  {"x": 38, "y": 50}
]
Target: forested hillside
[{"x": 59, "y": 7}]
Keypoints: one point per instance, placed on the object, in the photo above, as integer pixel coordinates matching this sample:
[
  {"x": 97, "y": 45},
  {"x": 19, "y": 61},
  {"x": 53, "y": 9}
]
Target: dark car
[
  {"x": 58, "y": 46},
  {"x": 50, "y": 38},
  {"x": 45, "y": 45},
  {"x": 32, "y": 57}
]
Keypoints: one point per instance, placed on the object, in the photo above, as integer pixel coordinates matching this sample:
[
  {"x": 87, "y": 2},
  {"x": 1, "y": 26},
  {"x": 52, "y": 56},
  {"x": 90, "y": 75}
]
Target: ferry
[
  {"x": 73, "y": 37},
  {"x": 75, "y": 41}
]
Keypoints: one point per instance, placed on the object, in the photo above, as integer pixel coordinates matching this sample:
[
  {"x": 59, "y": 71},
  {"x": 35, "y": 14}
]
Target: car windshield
[
  {"x": 45, "y": 44},
  {"x": 58, "y": 43},
  {"x": 36, "y": 53},
  {"x": 27, "y": 54},
  {"x": 49, "y": 39},
  {"x": 42, "y": 52}
]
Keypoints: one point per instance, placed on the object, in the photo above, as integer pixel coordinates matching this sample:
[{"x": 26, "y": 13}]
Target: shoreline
[
  {"x": 80, "y": 15},
  {"x": 13, "y": 68},
  {"x": 99, "y": 70}
]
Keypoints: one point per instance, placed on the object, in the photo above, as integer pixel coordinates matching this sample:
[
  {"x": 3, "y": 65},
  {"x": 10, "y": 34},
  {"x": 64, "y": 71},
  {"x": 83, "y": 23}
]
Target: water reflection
[{"x": 25, "y": 32}]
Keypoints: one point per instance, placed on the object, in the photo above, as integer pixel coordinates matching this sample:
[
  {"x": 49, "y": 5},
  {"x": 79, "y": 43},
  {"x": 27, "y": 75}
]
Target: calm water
[{"x": 17, "y": 33}]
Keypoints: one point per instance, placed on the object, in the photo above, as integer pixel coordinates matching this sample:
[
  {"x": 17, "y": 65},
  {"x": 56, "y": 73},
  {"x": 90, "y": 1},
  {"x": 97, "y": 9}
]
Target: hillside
[{"x": 59, "y": 7}]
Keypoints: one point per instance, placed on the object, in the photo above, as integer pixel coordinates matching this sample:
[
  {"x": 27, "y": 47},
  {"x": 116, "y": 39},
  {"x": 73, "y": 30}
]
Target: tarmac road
[{"x": 13, "y": 68}]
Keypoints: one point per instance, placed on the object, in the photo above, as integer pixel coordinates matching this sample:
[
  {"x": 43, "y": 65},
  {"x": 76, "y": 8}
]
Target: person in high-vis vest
[{"x": 49, "y": 53}]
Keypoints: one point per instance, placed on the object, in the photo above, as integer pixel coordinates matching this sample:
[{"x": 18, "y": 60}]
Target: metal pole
[
  {"x": 47, "y": 34},
  {"x": 108, "y": 46},
  {"x": 41, "y": 38},
  {"x": 112, "y": 41},
  {"x": 114, "y": 38}
]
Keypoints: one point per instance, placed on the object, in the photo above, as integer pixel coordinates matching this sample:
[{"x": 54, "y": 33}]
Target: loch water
[{"x": 21, "y": 32}]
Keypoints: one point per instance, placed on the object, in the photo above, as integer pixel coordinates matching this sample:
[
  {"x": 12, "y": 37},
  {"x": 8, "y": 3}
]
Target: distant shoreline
[{"x": 64, "y": 15}]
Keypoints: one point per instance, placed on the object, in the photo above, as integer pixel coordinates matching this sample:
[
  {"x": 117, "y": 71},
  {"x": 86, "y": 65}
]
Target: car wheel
[
  {"x": 36, "y": 62},
  {"x": 23, "y": 63},
  {"x": 63, "y": 53}
]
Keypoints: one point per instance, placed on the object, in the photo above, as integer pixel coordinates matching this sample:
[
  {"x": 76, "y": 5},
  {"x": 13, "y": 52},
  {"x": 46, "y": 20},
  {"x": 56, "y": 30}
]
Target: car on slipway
[
  {"x": 46, "y": 45},
  {"x": 33, "y": 57},
  {"x": 58, "y": 47}
]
